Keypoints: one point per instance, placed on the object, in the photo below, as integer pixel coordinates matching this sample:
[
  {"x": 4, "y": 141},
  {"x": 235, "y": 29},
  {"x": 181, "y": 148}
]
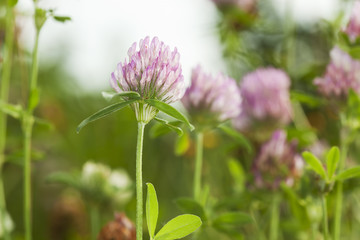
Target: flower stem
[
  {"x": 4, "y": 96},
  {"x": 94, "y": 218},
  {"x": 139, "y": 190},
  {"x": 198, "y": 165},
  {"x": 339, "y": 189},
  {"x": 325, "y": 218},
  {"x": 28, "y": 122},
  {"x": 275, "y": 216}
]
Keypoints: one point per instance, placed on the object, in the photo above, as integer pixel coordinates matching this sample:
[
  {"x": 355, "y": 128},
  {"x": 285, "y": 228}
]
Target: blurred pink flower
[
  {"x": 342, "y": 74},
  {"x": 265, "y": 99},
  {"x": 211, "y": 100},
  {"x": 154, "y": 71},
  {"x": 353, "y": 27},
  {"x": 277, "y": 162}
]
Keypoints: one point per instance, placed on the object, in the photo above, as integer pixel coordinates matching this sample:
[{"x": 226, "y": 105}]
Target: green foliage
[
  {"x": 34, "y": 99},
  {"x": 315, "y": 164},
  {"x": 191, "y": 206},
  {"x": 238, "y": 137},
  {"x": 182, "y": 144},
  {"x": 176, "y": 228},
  {"x": 171, "y": 125},
  {"x": 230, "y": 222},
  {"x": 306, "y": 98},
  {"x": 332, "y": 159},
  {"x": 62, "y": 19},
  {"x": 40, "y": 18},
  {"x": 238, "y": 174},
  {"x": 152, "y": 210},
  {"x": 169, "y": 110},
  {"x": 352, "y": 111},
  {"x": 12, "y": 3},
  {"x": 179, "y": 227},
  {"x": 349, "y": 173},
  {"x": 15, "y": 111},
  {"x": 103, "y": 113},
  {"x": 120, "y": 96}
]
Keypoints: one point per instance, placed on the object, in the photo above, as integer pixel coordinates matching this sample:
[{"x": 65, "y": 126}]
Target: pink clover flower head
[
  {"x": 265, "y": 98},
  {"x": 353, "y": 27},
  {"x": 342, "y": 74},
  {"x": 154, "y": 71},
  {"x": 211, "y": 100},
  {"x": 277, "y": 162}
]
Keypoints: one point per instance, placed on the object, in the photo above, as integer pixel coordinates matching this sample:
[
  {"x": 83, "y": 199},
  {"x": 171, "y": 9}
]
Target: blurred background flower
[
  {"x": 342, "y": 74},
  {"x": 353, "y": 26},
  {"x": 265, "y": 101},
  {"x": 211, "y": 100},
  {"x": 277, "y": 162}
]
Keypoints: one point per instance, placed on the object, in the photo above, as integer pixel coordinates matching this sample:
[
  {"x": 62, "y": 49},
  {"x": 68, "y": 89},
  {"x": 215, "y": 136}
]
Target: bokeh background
[{"x": 76, "y": 59}]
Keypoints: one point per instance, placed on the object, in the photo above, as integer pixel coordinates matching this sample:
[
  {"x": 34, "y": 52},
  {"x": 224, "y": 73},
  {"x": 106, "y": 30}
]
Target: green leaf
[
  {"x": 332, "y": 159},
  {"x": 233, "y": 218},
  {"x": 152, "y": 210},
  {"x": 182, "y": 144},
  {"x": 64, "y": 178},
  {"x": 15, "y": 111},
  {"x": 238, "y": 137},
  {"x": 305, "y": 98},
  {"x": 238, "y": 174},
  {"x": 169, "y": 110},
  {"x": 315, "y": 164},
  {"x": 103, "y": 113},
  {"x": 179, "y": 227},
  {"x": 62, "y": 18},
  {"x": 34, "y": 99},
  {"x": 178, "y": 130},
  {"x": 12, "y": 3},
  {"x": 355, "y": 52},
  {"x": 158, "y": 130},
  {"x": 44, "y": 123},
  {"x": 108, "y": 96},
  {"x": 188, "y": 205},
  {"x": 40, "y": 18},
  {"x": 348, "y": 173}
]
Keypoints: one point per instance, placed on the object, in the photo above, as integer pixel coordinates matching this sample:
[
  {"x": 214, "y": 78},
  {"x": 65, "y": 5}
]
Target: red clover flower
[
  {"x": 353, "y": 27},
  {"x": 211, "y": 100},
  {"x": 265, "y": 99},
  {"x": 277, "y": 162},
  {"x": 154, "y": 72},
  {"x": 342, "y": 74}
]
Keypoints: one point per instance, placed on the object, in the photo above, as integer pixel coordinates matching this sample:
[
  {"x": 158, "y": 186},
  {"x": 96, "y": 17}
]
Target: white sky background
[{"x": 101, "y": 31}]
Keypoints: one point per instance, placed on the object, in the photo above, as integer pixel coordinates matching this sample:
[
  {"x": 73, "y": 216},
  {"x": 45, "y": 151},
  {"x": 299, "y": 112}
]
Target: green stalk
[
  {"x": 139, "y": 190},
  {"x": 198, "y": 165},
  {"x": 325, "y": 218},
  {"x": 339, "y": 189},
  {"x": 275, "y": 216},
  {"x": 4, "y": 96},
  {"x": 28, "y": 121},
  {"x": 94, "y": 218}
]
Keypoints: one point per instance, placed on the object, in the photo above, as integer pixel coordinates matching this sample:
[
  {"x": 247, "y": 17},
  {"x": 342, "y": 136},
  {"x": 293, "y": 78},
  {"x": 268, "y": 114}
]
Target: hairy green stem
[
  {"x": 325, "y": 218},
  {"x": 275, "y": 217},
  {"x": 198, "y": 165},
  {"x": 339, "y": 188},
  {"x": 4, "y": 96},
  {"x": 95, "y": 221},
  {"x": 28, "y": 122},
  {"x": 139, "y": 190}
]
